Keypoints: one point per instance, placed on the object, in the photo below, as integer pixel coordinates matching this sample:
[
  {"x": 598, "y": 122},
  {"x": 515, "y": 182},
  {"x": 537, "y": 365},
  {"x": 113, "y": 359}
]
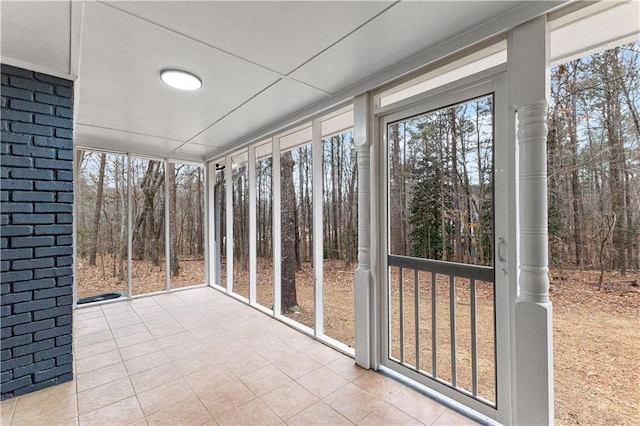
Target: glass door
[{"x": 440, "y": 324}]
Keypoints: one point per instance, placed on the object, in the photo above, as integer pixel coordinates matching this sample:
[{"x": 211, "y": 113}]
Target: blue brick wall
[{"x": 36, "y": 192}]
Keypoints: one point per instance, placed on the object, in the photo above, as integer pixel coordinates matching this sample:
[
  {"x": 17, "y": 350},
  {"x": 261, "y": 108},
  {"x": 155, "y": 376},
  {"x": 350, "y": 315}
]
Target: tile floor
[{"x": 198, "y": 357}]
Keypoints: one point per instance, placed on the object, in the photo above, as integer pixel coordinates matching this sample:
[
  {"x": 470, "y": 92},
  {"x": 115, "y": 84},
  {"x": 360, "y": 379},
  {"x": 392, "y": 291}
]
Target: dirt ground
[{"x": 596, "y": 332}]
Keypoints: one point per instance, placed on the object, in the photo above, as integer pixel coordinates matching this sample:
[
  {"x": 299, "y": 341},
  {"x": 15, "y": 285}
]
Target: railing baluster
[
  {"x": 474, "y": 274},
  {"x": 474, "y": 340},
  {"x": 434, "y": 330},
  {"x": 401, "y": 291},
  {"x": 452, "y": 325},
  {"x": 416, "y": 286}
]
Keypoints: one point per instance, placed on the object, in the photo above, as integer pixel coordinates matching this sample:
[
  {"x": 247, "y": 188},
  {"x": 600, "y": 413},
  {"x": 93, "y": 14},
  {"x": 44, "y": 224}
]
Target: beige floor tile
[
  {"x": 189, "y": 412},
  {"x": 6, "y": 411},
  {"x": 56, "y": 404},
  {"x": 142, "y": 302},
  {"x": 302, "y": 366},
  {"x": 322, "y": 354},
  {"x": 166, "y": 330},
  {"x": 184, "y": 338},
  {"x": 118, "y": 316},
  {"x": 387, "y": 414},
  {"x": 377, "y": 384},
  {"x": 90, "y": 339},
  {"x": 208, "y": 379},
  {"x": 318, "y": 414},
  {"x": 301, "y": 342},
  {"x": 224, "y": 371},
  {"x": 153, "y": 377},
  {"x": 196, "y": 362},
  {"x": 123, "y": 412},
  {"x": 129, "y": 330},
  {"x": 353, "y": 402},
  {"x": 104, "y": 395},
  {"x": 146, "y": 362},
  {"x": 128, "y": 321},
  {"x": 153, "y": 314},
  {"x": 97, "y": 321},
  {"x": 252, "y": 413},
  {"x": 347, "y": 368},
  {"x": 94, "y": 329},
  {"x": 178, "y": 352},
  {"x": 116, "y": 307},
  {"x": 265, "y": 380},
  {"x": 288, "y": 400},
  {"x": 226, "y": 396},
  {"x": 161, "y": 321},
  {"x": 97, "y": 361},
  {"x": 100, "y": 376},
  {"x": 133, "y": 339},
  {"x": 140, "y": 349},
  {"x": 417, "y": 405},
  {"x": 450, "y": 417},
  {"x": 141, "y": 422},
  {"x": 161, "y": 397},
  {"x": 322, "y": 382},
  {"x": 95, "y": 349},
  {"x": 84, "y": 313},
  {"x": 245, "y": 363}
]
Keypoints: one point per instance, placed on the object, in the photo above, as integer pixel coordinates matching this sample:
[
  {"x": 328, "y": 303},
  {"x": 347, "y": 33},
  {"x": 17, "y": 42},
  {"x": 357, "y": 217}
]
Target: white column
[
  {"x": 277, "y": 229},
  {"x": 318, "y": 255},
  {"x": 167, "y": 229},
  {"x": 528, "y": 85},
  {"x": 253, "y": 264},
  {"x": 362, "y": 277},
  {"x": 228, "y": 184},
  {"x": 209, "y": 221}
]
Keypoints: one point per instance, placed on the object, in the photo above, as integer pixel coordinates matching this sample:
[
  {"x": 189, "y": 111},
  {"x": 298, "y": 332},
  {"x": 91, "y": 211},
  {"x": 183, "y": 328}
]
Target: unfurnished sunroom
[{"x": 371, "y": 175}]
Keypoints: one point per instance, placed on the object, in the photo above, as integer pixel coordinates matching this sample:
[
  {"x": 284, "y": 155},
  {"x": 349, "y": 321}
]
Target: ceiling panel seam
[
  {"x": 226, "y": 52},
  {"x": 350, "y": 33},
  {"x": 130, "y": 132},
  {"x": 308, "y": 85},
  {"x": 231, "y": 112}
]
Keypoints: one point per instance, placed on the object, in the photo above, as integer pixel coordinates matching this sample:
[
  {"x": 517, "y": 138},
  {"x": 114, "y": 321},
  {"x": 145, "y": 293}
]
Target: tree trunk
[
  {"x": 98, "y": 211},
  {"x": 288, "y": 298},
  {"x": 174, "y": 264},
  {"x": 576, "y": 193},
  {"x": 612, "y": 117},
  {"x": 454, "y": 179}
]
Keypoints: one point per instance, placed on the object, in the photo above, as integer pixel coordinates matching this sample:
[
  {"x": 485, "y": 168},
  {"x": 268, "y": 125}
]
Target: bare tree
[{"x": 289, "y": 301}]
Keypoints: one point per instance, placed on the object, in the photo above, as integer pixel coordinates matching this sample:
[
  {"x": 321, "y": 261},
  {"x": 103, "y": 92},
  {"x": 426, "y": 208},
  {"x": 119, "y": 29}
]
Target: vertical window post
[
  {"x": 528, "y": 87},
  {"x": 362, "y": 279},
  {"x": 277, "y": 217},
  {"x": 317, "y": 250}
]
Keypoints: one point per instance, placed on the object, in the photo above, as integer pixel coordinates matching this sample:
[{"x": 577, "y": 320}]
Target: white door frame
[{"x": 492, "y": 81}]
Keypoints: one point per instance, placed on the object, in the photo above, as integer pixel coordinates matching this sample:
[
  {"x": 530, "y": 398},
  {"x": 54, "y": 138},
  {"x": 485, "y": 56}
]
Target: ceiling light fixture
[{"x": 180, "y": 79}]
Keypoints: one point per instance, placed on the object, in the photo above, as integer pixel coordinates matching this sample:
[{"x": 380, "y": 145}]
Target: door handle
[{"x": 502, "y": 248}]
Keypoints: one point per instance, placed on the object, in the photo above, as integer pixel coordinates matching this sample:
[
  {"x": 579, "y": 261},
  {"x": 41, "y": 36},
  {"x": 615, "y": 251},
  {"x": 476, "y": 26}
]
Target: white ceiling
[{"x": 259, "y": 61}]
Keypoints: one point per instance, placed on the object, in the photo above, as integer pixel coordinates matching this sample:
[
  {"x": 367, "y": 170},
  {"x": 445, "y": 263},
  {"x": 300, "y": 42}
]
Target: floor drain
[{"x": 99, "y": 298}]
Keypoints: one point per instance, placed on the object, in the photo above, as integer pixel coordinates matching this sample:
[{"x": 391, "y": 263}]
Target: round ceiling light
[{"x": 181, "y": 79}]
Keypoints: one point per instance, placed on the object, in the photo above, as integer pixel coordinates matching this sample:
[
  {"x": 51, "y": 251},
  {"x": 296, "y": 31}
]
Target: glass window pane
[
  {"x": 297, "y": 271},
  {"x": 148, "y": 213},
  {"x": 241, "y": 228},
  {"x": 186, "y": 224},
  {"x": 441, "y": 184},
  {"x": 220, "y": 232},
  {"x": 340, "y": 235},
  {"x": 101, "y": 224},
  {"x": 264, "y": 228}
]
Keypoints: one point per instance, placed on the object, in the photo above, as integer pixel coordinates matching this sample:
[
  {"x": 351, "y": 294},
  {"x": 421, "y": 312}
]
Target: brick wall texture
[{"x": 36, "y": 187}]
